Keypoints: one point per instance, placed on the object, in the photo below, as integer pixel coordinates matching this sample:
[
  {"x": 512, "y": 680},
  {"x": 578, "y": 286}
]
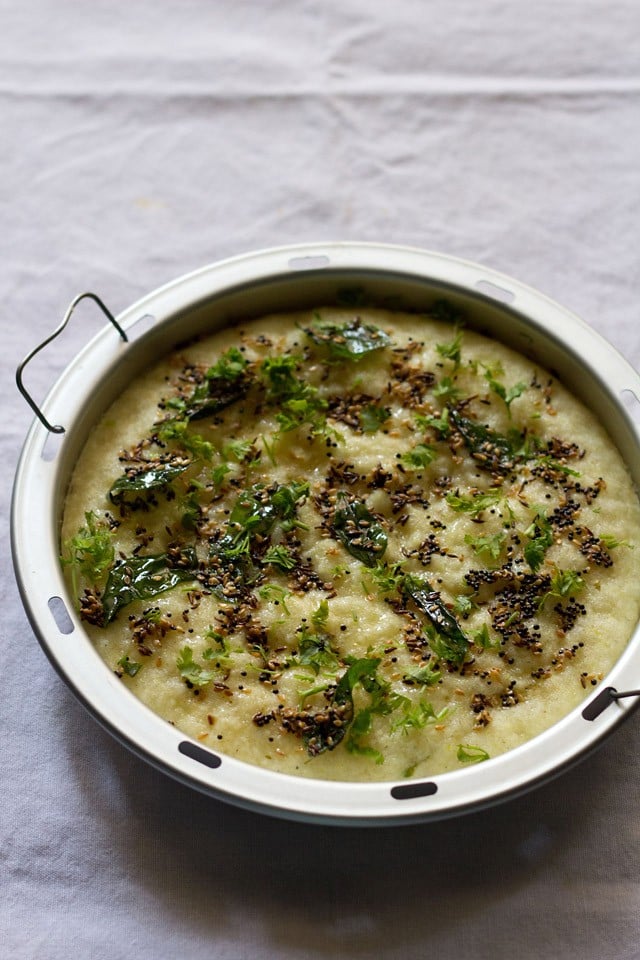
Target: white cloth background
[{"x": 141, "y": 140}]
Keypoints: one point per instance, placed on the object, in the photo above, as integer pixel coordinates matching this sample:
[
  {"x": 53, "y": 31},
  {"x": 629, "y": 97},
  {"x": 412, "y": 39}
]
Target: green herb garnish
[
  {"x": 540, "y": 534},
  {"x": 142, "y": 578},
  {"x": 475, "y": 503},
  {"x": 359, "y": 531},
  {"x": 417, "y": 716},
  {"x": 449, "y": 642},
  {"x": 565, "y": 583},
  {"x": 223, "y": 384},
  {"x": 468, "y": 753},
  {"x": 142, "y": 479},
  {"x": 90, "y": 553},
  {"x": 315, "y": 650},
  {"x": 372, "y": 417},
  {"x": 230, "y": 366},
  {"x": 507, "y": 394},
  {"x": 491, "y": 450},
  {"x": 280, "y": 557},
  {"x": 130, "y": 667},
  {"x": 452, "y": 350},
  {"x": 193, "y": 443},
  {"x": 419, "y": 456},
  {"x": 349, "y": 341},
  {"x": 489, "y": 546},
  {"x": 426, "y": 676},
  {"x": 192, "y": 672}
]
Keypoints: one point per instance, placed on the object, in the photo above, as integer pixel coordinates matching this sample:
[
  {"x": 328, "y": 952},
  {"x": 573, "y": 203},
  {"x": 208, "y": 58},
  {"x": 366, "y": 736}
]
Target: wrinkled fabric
[{"x": 142, "y": 140}]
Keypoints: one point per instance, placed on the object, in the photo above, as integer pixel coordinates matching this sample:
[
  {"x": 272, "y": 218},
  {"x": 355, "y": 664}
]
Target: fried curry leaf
[
  {"x": 348, "y": 341},
  {"x": 491, "y": 450},
  {"x": 223, "y": 383},
  {"x": 359, "y": 531},
  {"x": 142, "y": 578},
  {"x": 326, "y": 735},
  {"x": 254, "y": 515},
  {"x": 142, "y": 479},
  {"x": 450, "y": 642}
]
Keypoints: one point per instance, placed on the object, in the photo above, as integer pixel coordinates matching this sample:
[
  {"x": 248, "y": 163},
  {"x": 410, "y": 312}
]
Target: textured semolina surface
[{"x": 368, "y": 566}]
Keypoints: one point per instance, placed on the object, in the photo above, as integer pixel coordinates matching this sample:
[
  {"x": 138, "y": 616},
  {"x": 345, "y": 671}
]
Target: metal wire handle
[
  {"x": 604, "y": 699},
  {"x": 56, "y": 428}
]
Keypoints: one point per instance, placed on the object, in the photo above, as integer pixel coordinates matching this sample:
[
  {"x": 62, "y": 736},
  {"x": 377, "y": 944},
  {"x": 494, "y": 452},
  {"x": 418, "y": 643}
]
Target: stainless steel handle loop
[{"x": 21, "y": 387}]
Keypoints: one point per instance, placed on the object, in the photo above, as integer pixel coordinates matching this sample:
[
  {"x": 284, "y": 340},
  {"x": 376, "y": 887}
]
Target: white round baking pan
[{"x": 252, "y": 285}]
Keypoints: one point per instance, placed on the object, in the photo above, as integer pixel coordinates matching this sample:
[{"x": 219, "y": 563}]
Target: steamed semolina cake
[{"x": 353, "y": 544}]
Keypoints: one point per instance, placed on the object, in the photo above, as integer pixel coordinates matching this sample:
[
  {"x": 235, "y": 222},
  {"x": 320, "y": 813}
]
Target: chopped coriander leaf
[
  {"x": 281, "y": 380},
  {"x": 540, "y": 534},
  {"x": 90, "y": 553},
  {"x": 419, "y": 456},
  {"x": 489, "y": 546},
  {"x": 306, "y": 408},
  {"x": 130, "y": 667},
  {"x": 239, "y": 450},
  {"x": 468, "y": 753},
  {"x": 285, "y": 498},
  {"x": 269, "y": 450},
  {"x": 218, "y": 638},
  {"x": 320, "y": 615},
  {"x": 446, "y": 389},
  {"x": 475, "y": 503},
  {"x": 555, "y": 465},
  {"x": 507, "y": 394},
  {"x": 382, "y": 702},
  {"x": 463, "y": 605},
  {"x": 387, "y": 579},
  {"x": 440, "y": 424},
  {"x": 417, "y": 716},
  {"x": 299, "y": 402},
  {"x": 192, "y": 672},
  {"x": 359, "y": 531},
  {"x": 611, "y": 542},
  {"x": 564, "y": 583},
  {"x": 452, "y": 350},
  {"x": 280, "y": 557},
  {"x": 229, "y": 366},
  {"x": 271, "y": 591},
  {"x": 312, "y": 691},
  {"x": 219, "y": 473},
  {"x": 178, "y": 430},
  {"x": 192, "y": 512},
  {"x": 315, "y": 651},
  {"x": 349, "y": 341},
  {"x": 326, "y": 729},
  {"x": 482, "y": 638},
  {"x": 255, "y": 514},
  {"x": 426, "y": 676},
  {"x": 372, "y": 417}
]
